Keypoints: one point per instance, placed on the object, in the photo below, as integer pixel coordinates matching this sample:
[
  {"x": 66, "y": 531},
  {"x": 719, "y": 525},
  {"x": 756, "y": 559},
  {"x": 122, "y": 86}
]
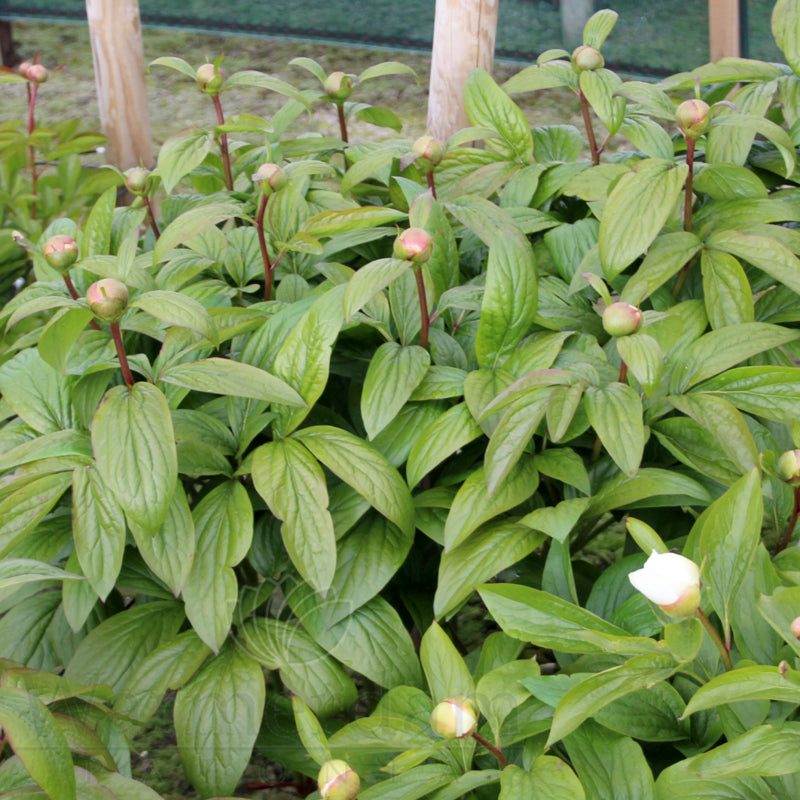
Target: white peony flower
[{"x": 671, "y": 581}]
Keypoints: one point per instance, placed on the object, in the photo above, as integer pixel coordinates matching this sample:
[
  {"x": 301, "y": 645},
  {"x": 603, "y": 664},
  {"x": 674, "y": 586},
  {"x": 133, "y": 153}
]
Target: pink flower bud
[
  {"x": 108, "y": 299},
  {"x": 338, "y": 86},
  {"x": 454, "y": 718},
  {"x": 671, "y": 581},
  {"x": 136, "y": 180},
  {"x": 338, "y": 781},
  {"x": 271, "y": 177},
  {"x": 209, "y": 78},
  {"x": 37, "y": 73},
  {"x": 61, "y": 252},
  {"x": 693, "y": 118},
  {"x": 414, "y": 244},
  {"x": 429, "y": 149},
  {"x": 789, "y": 467},
  {"x": 621, "y": 319},
  {"x": 587, "y": 59},
  {"x": 23, "y": 68},
  {"x": 795, "y": 627}
]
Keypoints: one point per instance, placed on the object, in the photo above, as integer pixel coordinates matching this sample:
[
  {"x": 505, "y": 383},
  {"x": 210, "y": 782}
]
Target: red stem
[
  {"x": 432, "y": 184},
  {"x": 687, "y": 211},
  {"x": 33, "y": 90},
  {"x": 423, "y": 308},
  {"x": 123, "y": 359},
  {"x": 724, "y": 649},
  {"x": 495, "y": 751},
  {"x": 587, "y": 122},
  {"x": 784, "y": 540},
  {"x": 223, "y": 145},
  {"x": 153, "y": 224},
  {"x": 74, "y": 295},
  {"x": 342, "y": 122},
  {"x": 623, "y": 371},
  {"x": 262, "y": 241}
]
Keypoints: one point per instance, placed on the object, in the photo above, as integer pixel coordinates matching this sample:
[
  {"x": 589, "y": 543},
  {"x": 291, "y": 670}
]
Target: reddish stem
[
  {"x": 223, "y": 144},
  {"x": 623, "y": 371},
  {"x": 262, "y": 241},
  {"x": 724, "y": 650},
  {"x": 33, "y": 90},
  {"x": 153, "y": 224},
  {"x": 342, "y": 122},
  {"x": 495, "y": 751},
  {"x": 587, "y": 122},
  {"x": 74, "y": 295},
  {"x": 687, "y": 211},
  {"x": 784, "y": 540},
  {"x": 123, "y": 358},
  {"x": 423, "y": 308},
  {"x": 432, "y": 184}
]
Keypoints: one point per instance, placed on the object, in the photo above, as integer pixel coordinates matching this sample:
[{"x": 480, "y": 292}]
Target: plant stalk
[
  {"x": 262, "y": 242},
  {"x": 123, "y": 358},
  {"x": 717, "y": 639},
  {"x": 423, "y": 308},
  {"x": 623, "y": 371},
  {"x": 223, "y": 145},
  {"x": 342, "y": 123},
  {"x": 153, "y": 224},
  {"x": 687, "y": 211},
  {"x": 74, "y": 295},
  {"x": 495, "y": 751},
  {"x": 432, "y": 184},
  {"x": 784, "y": 540},
  {"x": 587, "y": 122},
  {"x": 32, "y": 92}
]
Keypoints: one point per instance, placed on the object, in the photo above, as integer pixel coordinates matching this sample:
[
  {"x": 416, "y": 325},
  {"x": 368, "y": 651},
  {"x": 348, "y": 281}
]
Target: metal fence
[{"x": 651, "y": 37}]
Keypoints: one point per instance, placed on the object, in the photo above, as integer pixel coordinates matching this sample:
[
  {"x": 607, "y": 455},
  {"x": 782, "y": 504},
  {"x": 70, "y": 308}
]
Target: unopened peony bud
[
  {"x": 136, "y": 180},
  {"x": 587, "y": 59},
  {"x": 61, "y": 252},
  {"x": 454, "y": 718},
  {"x": 414, "y": 244},
  {"x": 621, "y": 319},
  {"x": 23, "y": 68},
  {"x": 271, "y": 177},
  {"x": 671, "y": 581},
  {"x": 693, "y": 118},
  {"x": 37, "y": 73},
  {"x": 789, "y": 467},
  {"x": 795, "y": 627},
  {"x": 429, "y": 149},
  {"x": 108, "y": 299},
  {"x": 338, "y": 86},
  {"x": 338, "y": 781},
  {"x": 209, "y": 78}
]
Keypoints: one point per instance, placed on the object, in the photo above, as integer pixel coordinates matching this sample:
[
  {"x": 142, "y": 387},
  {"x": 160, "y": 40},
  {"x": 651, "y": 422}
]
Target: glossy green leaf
[
  {"x": 96, "y": 231},
  {"x": 329, "y": 223},
  {"x": 780, "y": 610},
  {"x": 311, "y": 733},
  {"x": 418, "y": 782},
  {"x": 786, "y": 30},
  {"x": 728, "y": 296},
  {"x": 217, "y": 718},
  {"x": 180, "y": 154},
  {"x": 190, "y": 224},
  {"x": 371, "y": 279},
  {"x": 557, "y": 521},
  {"x": 134, "y": 446},
  {"x": 615, "y": 412},
  {"x": 599, "y": 87},
  {"x": 174, "y": 308},
  {"x": 644, "y": 358},
  {"x": 549, "y": 778},
  {"x": 445, "y": 670},
  {"x": 60, "y": 335}
]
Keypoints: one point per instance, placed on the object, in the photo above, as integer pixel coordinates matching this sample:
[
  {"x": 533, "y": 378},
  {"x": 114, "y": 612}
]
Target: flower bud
[
  {"x": 23, "y": 68},
  {"x": 671, "y": 581},
  {"x": 414, "y": 244},
  {"x": 338, "y": 781},
  {"x": 136, "y": 180},
  {"x": 621, "y": 319},
  {"x": 108, "y": 299},
  {"x": 37, "y": 73},
  {"x": 454, "y": 718},
  {"x": 429, "y": 149},
  {"x": 693, "y": 118},
  {"x": 271, "y": 177},
  {"x": 61, "y": 252},
  {"x": 587, "y": 59},
  {"x": 338, "y": 86},
  {"x": 795, "y": 627},
  {"x": 789, "y": 467},
  {"x": 209, "y": 79}
]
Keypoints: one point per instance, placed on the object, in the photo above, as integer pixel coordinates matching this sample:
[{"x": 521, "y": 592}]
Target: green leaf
[
  {"x": 509, "y": 300},
  {"x": 730, "y": 533},
  {"x": 293, "y": 485},
  {"x": 386, "y": 68},
  {"x": 721, "y": 349},
  {"x": 134, "y": 446},
  {"x": 60, "y": 335},
  {"x": 217, "y": 718},
  {"x": 98, "y": 526},
  {"x": 644, "y": 536},
  {"x": 175, "y": 63},
  {"x": 18, "y": 571},
  {"x": 487, "y": 105},
  {"x": 598, "y": 26},
  {"x": 729, "y": 182},
  {"x": 359, "y": 465},
  {"x": 653, "y": 184},
  {"x": 786, "y": 30},
  {"x": 250, "y": 77},
  {"x": 96, "y": 232},
  {"x": 329, "y": 223},
  {"x": 37, "y": 740},
  {"x": 174, "y": 308},
  {"x": 114, "y": 649},
  {"x": 189, "y": 224},
  {"x": 548, "y": 621},
  {"x": 747, "y": 683},
  {"x": 382, "y": 117},
  {"x": 644, "y": 358},
  {"x": 445, "y": 670},
  {"x": 223, "y": 522},
  {"x": 466, "y": 783},
  {"x": 500, "y": 691},
  {"x": 306, "y": 669},
  {"x": 449, "y": 433},
  {"x": 728, "y": 296},
  {"x": 599, "y": 87},
  {"x": 180, "y": 154},
  {"x": 311, "y": 733},
  {"x": 491, "y": 549},
  {"x": 549, "y": 778},
  {"x": 393, "y": 374},
  {"x": 550, "y": 75},
  {"x": 780, "y": 610},
  {"x": 418, "y": 782},
  {"x": 371, "y": 279},
  {"x": 559, "y": 520},
  {"x": 473, "y": 505},
  {"x": 615, "y": 412},
  {"x": 597, "y": 691}
]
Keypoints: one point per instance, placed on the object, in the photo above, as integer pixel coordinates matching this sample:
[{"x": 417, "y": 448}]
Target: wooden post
[
  {"x": 116, "y": 36},
  {"x": 724, "y": 31},
  {"x": 7, "y": 49},
  {"x": 464, "y": 33}
]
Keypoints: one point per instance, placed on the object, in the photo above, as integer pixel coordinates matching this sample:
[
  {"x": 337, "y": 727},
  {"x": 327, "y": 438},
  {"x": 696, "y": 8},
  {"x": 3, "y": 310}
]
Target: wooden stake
[
  {"x": 116, "y": 35},
  {"x": 724, "y": 30},
  {"x": 464, "y": 33}
]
